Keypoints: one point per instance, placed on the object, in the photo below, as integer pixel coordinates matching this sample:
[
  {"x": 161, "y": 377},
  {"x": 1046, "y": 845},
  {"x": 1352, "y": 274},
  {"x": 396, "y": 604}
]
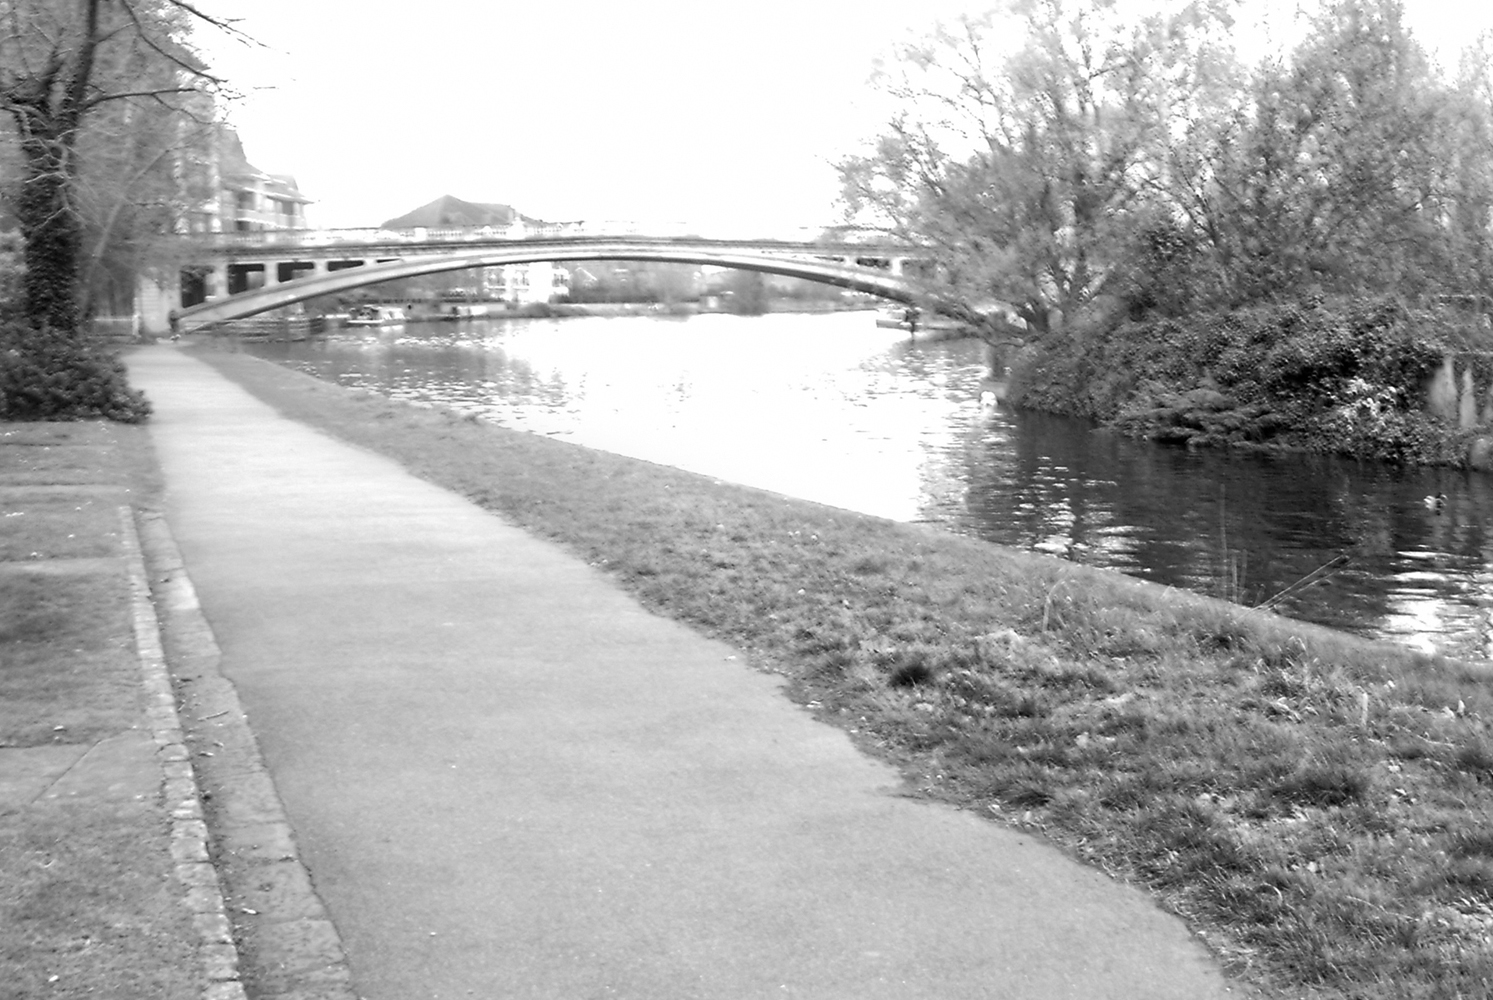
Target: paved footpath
[{"x": 508, "y": 780}]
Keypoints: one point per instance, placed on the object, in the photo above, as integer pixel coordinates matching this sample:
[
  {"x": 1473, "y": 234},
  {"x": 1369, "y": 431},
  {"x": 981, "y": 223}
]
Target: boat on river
[
  {"x": 374, "y": 315},
  {"x": 915, "y": 320}
]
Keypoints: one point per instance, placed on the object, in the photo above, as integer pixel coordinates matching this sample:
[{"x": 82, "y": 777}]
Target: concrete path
[{"x": 508, "y": 780}]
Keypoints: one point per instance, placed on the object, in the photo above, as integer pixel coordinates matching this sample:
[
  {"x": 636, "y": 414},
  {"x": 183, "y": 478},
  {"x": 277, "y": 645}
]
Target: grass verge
[
  {"x": 89, "y": 905},
  {"x": 1315, "y": 804}
]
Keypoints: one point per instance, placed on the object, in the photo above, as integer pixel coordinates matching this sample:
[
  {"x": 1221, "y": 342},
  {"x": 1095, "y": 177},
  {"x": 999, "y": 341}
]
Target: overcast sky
[{"x": 715, "y": 114}]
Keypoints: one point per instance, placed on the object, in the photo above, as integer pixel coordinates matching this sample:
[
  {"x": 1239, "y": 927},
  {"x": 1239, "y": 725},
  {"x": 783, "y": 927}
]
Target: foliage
[
  {"x": 47, "y": 374},
  {"x": 746, "y": 292},
  {"x": 12, "y": 272},
  {"x": 1023, "y": 170},
  {"x": 635, "y": 281},
  {"x": 100, "y": 85},
  {"x": 1332, "y": 376},
  {"x": 1102, "y": 163},
  {"x": 99, "y": 96},
  {"x": 141, "y": 178},
  {"x": 1295, "y": 185}
]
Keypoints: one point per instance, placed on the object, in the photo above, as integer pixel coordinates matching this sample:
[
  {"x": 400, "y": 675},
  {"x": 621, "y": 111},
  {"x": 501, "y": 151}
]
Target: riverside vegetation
[
  {"x": 1312, "y": 803},
  {"x": 1344, "y": 377},
  {"x": 1202, "y": 245}
]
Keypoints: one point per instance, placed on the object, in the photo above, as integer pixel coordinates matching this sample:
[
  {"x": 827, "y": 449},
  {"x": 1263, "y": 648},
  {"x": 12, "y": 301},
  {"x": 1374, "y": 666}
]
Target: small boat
[
  {"x": 896, "y": 318},
  {"x": 375, "y": 316},
  {"x": 915, "y": 320}
]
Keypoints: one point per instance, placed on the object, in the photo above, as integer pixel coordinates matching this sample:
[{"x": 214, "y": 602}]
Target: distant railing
[{"x": 518, "y": 231}]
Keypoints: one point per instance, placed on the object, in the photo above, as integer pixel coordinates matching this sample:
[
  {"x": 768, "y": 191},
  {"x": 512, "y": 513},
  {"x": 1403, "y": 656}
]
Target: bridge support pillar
[{"x": 217, "y": 281}]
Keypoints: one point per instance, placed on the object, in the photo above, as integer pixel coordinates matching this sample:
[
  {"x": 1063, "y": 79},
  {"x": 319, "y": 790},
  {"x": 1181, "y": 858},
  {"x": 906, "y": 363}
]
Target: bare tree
[
  {"x": 1021, "y": 166},
  {"x": 63, "y": 64}
]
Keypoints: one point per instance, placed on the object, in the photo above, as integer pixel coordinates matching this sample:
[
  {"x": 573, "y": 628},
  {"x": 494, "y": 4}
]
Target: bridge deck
[{"x": 389, "y": 255}]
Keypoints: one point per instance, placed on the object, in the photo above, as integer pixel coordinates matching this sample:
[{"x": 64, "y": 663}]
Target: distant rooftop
[
  {"x": 233, "y": 165},
  {"x": 449, "y": 211}
]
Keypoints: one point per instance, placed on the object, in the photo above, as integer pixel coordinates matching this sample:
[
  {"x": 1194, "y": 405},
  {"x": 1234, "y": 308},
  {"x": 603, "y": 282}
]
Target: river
[{"x": 834, "y": 409}]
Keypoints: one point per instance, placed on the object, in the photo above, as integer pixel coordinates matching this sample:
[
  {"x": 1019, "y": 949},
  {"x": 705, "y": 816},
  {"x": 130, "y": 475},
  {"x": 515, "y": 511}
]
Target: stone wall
[
  {"x": 1457, "y": 395},
  {"x": 1461, "y": 393}
]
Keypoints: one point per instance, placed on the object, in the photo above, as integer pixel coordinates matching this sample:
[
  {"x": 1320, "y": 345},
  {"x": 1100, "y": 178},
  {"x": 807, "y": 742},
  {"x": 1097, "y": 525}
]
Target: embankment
[{"x": 1373, "y": 380}]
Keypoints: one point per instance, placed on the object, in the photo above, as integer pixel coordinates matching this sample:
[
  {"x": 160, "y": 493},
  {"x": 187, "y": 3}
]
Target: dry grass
[
  {"x": 67, "y": 667},
  {"x": 1316, "y": 805},
  {"x": 58, "y": 527},
  {"x": 89, "y": 906}
]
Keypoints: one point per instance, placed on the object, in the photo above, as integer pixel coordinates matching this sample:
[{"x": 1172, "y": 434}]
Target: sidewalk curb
[
  {"x": 204, "y": 891},
  {"x": 246, "y": 883}
]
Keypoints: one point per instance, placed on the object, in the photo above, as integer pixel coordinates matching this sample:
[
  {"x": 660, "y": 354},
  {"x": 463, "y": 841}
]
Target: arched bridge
[{"x": 291, "y": 266}]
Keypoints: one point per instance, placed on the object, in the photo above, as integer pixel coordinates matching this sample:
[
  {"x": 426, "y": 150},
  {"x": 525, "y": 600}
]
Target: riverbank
[
  {"x": 435, "y": 312},
  {"x": 1352, "y": 378},
  {"x": 1311, "y": 802},
  {"x": 280, "y": 326}
]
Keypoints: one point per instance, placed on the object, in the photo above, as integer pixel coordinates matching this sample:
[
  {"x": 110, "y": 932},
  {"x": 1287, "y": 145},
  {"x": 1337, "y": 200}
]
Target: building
[
  {"x": 520, "y": 284},
  {"x": 526, "y": 284},
  {"x": 250, "y": 200},
  {"x": 223, "y": 193}
]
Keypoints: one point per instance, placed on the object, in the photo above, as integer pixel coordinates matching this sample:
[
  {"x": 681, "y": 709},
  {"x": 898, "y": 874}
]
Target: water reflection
[
  {"x": 833, "y": 409},
  {"x": 1244, "y": 526}
]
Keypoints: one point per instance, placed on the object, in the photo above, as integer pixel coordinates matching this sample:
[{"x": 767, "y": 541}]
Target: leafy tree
[
  {"x": 1350, "y": 167},
  {"x": 144, "y": 177},
  {"x": 1469, "y": 176},
  {"x": 747, "y": 291},
  {"x": 1025, "y": 170}
]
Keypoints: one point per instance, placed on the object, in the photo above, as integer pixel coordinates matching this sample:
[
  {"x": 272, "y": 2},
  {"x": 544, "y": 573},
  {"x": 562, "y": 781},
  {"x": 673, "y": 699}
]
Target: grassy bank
[
  {"x": 89, "y": 905},
  {"x": 1314, "y": 804}
]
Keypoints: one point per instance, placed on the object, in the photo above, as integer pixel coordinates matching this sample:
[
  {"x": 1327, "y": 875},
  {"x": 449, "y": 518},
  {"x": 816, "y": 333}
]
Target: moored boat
[
  {"x": 375, "y": 315},
  {"x": 915, "y": 320}
]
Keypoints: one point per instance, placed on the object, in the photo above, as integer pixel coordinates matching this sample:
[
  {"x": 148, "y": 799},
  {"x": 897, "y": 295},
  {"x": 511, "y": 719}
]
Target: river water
[{"x": 833, "y": 408}]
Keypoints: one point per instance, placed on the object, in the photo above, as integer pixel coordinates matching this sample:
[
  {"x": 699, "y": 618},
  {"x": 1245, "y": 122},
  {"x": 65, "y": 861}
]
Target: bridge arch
[{"x": 829, "y": 269}]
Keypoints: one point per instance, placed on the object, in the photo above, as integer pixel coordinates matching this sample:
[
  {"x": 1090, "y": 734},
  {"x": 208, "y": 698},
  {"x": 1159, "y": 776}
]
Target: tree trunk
[
  {"x": 48, "y": 109},
  {"x": 53, "y": 238}
]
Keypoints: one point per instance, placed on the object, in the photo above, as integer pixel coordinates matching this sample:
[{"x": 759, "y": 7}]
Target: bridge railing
[{"x": 363, "y": 236}]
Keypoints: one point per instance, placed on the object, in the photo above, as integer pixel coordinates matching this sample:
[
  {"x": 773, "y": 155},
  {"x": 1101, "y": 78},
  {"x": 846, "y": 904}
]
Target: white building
[
  {"x": 520, "y": 284},
  {"x": 526, "y": 284}
]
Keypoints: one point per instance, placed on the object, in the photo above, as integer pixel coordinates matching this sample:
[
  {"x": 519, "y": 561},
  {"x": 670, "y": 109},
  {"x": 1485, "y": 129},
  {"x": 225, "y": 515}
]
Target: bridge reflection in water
[{"x": 835, "y": 410}]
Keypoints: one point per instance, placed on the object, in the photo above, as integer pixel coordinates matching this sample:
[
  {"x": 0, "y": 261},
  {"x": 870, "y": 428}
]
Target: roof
[
  {"x": 233, "y": 165},
  {"x": 449, "y": 211}
]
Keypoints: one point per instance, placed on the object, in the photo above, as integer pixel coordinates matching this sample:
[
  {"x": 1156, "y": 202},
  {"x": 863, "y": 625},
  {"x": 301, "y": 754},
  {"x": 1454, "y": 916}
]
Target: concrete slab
[
  {"x": 27, "y": 772},
  {"x": 119, "y": 770},
  {"x": 507, "y": 779}
]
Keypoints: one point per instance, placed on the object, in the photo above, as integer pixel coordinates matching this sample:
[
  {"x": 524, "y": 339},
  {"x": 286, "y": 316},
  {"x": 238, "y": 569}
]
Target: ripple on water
[{"x": 835, "y": 409}]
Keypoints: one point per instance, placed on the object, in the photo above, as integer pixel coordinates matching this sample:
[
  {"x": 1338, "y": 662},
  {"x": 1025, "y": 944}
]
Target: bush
[
  {"x": 1337, "y": 376},
  {"x": 50, "y": 375}
]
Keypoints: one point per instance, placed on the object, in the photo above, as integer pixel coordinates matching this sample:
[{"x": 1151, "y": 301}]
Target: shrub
[
  {"x": 46, "y": 374},
  {"x": 1337, "y": 376}
]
